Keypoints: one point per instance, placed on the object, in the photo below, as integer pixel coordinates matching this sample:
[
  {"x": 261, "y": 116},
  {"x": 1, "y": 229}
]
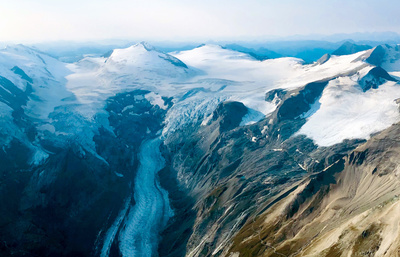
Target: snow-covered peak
[
  {"x": 36, "y": 64},
  {"x": 46, "y": 75},
  {"x": 19, "y": 49},
  {"x": 211, "y": 52},
  {"x": 15, "y": 55},
  {"x": 142, "y": 55},
  {"x": 146, "y": 46},
  {"x": 14, "y": 48},
  {"x": 131, "y": 52},
  {"x": 134, "y": 49},
  {"x": 138, "y": 66},
  {"x": 385, "y": 56}
]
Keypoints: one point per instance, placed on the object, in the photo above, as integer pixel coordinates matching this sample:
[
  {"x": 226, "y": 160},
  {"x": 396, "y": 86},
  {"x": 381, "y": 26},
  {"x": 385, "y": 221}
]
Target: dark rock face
[
  {"x": 375, "y": 77},
  {"x": 350, "y": 48},
  {"x": 381, "y": 73},
  {"x": 300, "y": 103},
  {"x": 17, "y": 70},
  {"x": 275, "y": 96},
  {"x": 260, "y": 54},
  {"x": 176, "y": 236},
  {"x": 324, "y": 59},
  {"x": 133, "y": 117},
  {"x": 49, "y": 211},
  {"x": 377, "y": 55},
  {"x": 67, "y": 200},
  {"x": 174, "y": 61},
  {"x": 15, "y": 156},
  {"x": 229, "y": 115},
  {"x": 11, "y": 94}
]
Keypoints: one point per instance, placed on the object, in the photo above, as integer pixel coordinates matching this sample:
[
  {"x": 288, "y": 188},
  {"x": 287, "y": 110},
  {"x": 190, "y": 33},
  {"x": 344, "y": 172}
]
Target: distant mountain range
[{"x": 309, "y": 48}]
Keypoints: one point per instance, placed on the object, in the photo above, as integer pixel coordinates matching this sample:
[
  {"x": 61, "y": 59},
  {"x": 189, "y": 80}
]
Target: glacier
[{"x": 144, "y": 220}]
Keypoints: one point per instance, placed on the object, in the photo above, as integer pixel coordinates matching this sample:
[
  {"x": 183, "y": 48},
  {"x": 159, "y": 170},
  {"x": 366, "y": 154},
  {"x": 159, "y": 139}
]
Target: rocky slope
[{"x": 346, "y": 209}]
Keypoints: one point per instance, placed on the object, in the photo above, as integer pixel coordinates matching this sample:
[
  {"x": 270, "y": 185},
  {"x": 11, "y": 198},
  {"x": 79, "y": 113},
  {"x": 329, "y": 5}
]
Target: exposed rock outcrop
[{"x": 375, "y": 77}]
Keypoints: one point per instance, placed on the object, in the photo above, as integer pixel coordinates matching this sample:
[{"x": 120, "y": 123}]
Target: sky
[{"x": 179, "y": 20}]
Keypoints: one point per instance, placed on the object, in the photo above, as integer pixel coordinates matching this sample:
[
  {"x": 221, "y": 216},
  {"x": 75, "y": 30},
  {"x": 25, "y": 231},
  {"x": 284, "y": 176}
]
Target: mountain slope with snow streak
[{"x": 46, "y": 75}]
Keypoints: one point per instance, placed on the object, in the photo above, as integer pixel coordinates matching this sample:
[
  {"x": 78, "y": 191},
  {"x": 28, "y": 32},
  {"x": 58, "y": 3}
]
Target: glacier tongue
[
  {"x": 141, "y": 227},
  {"x": 113, "y": 230}
]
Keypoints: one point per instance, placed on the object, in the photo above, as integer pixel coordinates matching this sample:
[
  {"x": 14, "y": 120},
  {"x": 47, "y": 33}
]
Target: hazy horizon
[
  {"x": 378, "y": 37},
  {"x": 179, "y": 21}
]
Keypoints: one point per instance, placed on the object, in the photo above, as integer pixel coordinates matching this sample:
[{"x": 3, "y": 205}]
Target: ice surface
[
  {"x": 113, "y": 230},
  {"x": 346, "y": 112},
  {"x": 146, "y": 219}
]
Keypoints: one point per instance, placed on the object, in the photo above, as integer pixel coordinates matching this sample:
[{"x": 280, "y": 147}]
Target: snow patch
[
  {"x": 155, "y": 99},
  {"x": 39, "y": 156}
]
